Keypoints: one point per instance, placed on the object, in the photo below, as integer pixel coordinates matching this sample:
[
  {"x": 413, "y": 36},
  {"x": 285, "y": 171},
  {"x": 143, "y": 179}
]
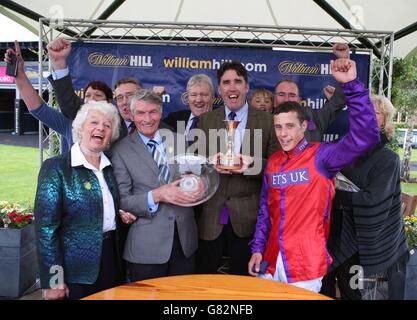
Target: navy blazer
[
  {"x": 69, "y": 220},
  {"x": 173, "y": 118}
]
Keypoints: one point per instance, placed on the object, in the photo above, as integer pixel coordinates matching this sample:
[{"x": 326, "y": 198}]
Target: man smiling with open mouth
[{"x": 228, "y": 219}]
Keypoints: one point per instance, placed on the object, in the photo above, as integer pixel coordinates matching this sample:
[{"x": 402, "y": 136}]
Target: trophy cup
[
  {"x": 230, "y": 161},
  {"x": 196, "y": 174}
]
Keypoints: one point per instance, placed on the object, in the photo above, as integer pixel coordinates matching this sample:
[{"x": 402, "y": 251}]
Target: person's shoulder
[
  {"x": 212, "y": 113},
  {"x": 177, "y": 114},
  {"x": 276, "y": 155},
  {"x": 260, "y": 113},
  {"x": 57, "y": 162},
  {"x": 264, "y": 118},
  {"x": 122, "y": 143},
  {"x": 166, "y": 125},
  {"x": 387, "y": 153}
]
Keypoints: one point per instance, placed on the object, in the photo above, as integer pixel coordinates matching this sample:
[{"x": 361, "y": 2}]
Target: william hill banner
[{"x": 172, "y": 65}]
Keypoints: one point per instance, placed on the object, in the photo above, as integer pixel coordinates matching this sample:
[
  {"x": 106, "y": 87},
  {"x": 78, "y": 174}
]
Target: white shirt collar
[
  {"x": 156, "y": 138},
  {"x": 78, "y": 159}
]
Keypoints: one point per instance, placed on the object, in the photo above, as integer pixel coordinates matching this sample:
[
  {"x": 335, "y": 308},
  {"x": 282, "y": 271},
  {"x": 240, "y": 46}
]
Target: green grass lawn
[
  {"x": 409, "y": 187},
  {"x": 400, "y": 152},
  {"x": 19, "y": 168}
]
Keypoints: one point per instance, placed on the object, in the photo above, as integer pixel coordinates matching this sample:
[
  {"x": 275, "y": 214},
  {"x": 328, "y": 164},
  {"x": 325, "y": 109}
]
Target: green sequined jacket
[{"x": 69, "y": 221}]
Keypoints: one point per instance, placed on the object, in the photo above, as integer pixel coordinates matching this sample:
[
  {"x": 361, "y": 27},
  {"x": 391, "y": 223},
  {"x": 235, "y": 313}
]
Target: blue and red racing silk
[{"x": 298, "y": 190}]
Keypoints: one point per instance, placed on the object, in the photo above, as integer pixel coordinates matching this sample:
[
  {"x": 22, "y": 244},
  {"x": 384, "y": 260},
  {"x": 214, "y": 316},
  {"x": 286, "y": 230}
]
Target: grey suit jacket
[
  {"x": 150, "y": 238},
  {"x": 239, "y": 192}
]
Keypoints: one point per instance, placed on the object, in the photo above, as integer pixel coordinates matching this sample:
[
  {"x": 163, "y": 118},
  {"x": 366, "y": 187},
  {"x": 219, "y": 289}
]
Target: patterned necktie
[
  {"x": 160, "y": 160},
  {"x": 232, "y": 115},
  {"x": 194, "y": 122},
  {"x": 132, "y": 127}
]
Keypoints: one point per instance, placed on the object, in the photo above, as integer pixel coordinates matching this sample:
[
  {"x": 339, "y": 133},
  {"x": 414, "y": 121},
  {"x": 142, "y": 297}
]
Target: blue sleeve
[
  {"x": 153, "y": 207},
  {"x": 363, "y": 132},
  {"x": 53, "y": 119},
  {"x": 59, "y": 74},
  {"x": 263, "y": 223}
]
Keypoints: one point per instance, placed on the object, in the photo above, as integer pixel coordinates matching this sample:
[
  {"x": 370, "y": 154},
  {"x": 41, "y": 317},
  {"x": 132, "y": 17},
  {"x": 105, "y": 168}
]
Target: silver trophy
[
  {"x": 230, "y": 161},
  {"x": 195, "y": 173},
  {"x": 344, "y": 184}
]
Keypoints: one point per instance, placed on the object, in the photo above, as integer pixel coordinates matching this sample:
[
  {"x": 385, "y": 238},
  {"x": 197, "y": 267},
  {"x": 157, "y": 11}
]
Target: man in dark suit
[
  {"x": 200, "y": 92},
  {"x": 227, "y": 220},
  {"x": 163, "y": 240},
  {"x": 318, "y": 121}
]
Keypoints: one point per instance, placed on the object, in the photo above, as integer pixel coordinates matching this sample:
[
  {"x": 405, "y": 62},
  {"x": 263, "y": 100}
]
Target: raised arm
[
  {"x": 29, "y": 94},
  {"x": 363, "y": 131},
  {"x": 69, "y": 102},
  {"x": 326, "y": 115}
]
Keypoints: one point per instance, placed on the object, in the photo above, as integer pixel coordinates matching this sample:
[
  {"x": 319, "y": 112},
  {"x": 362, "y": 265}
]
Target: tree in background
[{"x": 405, "y": 100}]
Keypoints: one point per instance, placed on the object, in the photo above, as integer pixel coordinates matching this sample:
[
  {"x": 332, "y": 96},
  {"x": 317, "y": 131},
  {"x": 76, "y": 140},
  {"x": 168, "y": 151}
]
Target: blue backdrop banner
[{"x": 172, "y": 65}]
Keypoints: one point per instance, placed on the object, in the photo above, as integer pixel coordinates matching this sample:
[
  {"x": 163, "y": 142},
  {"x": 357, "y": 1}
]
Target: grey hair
[
  {"x": 109, "y": 110},
  {"x": 385, "y": 106},
  {"x": 145, "y": 95},
  {"x": 200, "y": 78}
]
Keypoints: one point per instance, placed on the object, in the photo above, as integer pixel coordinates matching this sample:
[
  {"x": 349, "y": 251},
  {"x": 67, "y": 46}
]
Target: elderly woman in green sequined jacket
[{"x": 75, "y": 210}]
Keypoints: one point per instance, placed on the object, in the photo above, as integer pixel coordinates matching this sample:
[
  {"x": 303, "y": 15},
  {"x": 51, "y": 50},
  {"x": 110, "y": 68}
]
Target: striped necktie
[
  {"x": 232, "y": 115},
  {"x": 132, "y": 127},
  {"x": 160, "y": 160}
]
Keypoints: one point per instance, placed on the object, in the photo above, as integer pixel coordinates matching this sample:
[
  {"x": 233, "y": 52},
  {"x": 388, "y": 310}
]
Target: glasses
[
  {"x": 283, "y": 94},
  {"x": 128, "y": 96}
]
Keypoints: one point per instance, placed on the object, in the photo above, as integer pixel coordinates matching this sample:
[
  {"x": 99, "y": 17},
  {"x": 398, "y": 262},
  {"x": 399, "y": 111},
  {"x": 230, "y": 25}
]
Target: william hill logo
[
  {"x": 110, "y": 60},
  {"x": 291, "y": 67}
]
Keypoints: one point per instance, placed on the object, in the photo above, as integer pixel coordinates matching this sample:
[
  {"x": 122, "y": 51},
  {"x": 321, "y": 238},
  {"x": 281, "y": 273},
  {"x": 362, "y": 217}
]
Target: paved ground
[{"x": 25, "y": 140}]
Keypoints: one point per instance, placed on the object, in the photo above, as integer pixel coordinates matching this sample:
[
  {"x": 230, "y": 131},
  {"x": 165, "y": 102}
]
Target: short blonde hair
[
  {"x": 109, "y": 110},
  {"x": 261, "y": 92},
  {"x": 382, "y": 104}
]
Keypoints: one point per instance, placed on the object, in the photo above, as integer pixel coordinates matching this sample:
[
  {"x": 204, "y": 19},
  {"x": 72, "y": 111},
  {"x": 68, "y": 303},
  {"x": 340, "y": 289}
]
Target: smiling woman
[{"x": 75, "y": 210}]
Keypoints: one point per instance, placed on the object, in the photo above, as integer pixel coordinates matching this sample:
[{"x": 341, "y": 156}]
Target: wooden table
[{"x": 207, "y": 287}]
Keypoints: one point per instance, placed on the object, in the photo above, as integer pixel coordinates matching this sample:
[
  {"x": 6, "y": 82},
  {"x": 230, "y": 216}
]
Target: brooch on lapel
[{"x": 87, "y": 185}]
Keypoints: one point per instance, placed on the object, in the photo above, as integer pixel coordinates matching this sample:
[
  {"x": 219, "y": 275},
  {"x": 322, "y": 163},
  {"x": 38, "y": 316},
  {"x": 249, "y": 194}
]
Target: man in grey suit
[{"x": 163, "y": 240}]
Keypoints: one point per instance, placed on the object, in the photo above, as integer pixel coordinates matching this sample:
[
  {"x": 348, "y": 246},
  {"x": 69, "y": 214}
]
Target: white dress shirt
[{"x": 109, "y": 213}]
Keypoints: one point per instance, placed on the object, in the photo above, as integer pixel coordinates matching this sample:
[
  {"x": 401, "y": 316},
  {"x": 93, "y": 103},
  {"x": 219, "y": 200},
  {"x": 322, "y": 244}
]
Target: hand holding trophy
[
  {"x": 194, "y": 175},
  {"x": 229, "y": 160}
]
